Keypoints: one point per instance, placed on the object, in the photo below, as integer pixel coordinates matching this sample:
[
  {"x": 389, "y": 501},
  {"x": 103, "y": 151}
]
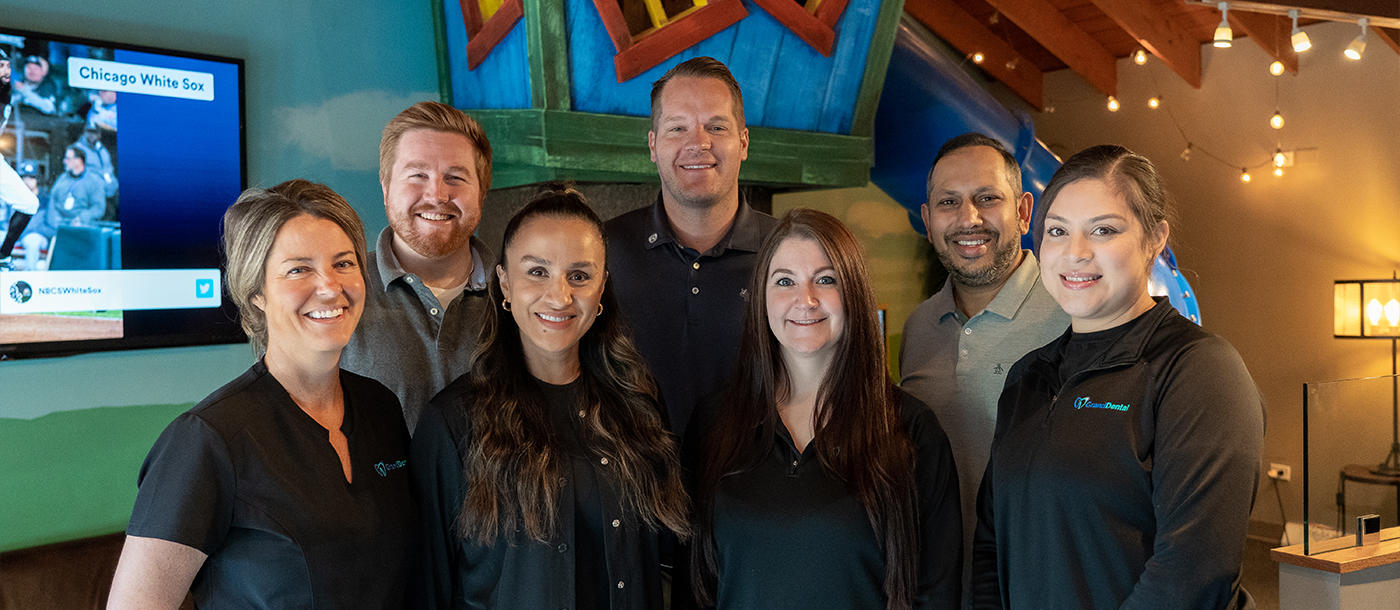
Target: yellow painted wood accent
[
  {"x": 812, "y": 5},
  {"x": 656, "y": 12},
  {"x": 489, "y": 8}
]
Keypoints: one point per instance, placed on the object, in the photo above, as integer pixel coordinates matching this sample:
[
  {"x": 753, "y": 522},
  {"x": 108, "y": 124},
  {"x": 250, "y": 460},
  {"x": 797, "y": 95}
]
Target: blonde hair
[
  {"x": 435, "y": 116},
  {"x": 251, "y": 225}
]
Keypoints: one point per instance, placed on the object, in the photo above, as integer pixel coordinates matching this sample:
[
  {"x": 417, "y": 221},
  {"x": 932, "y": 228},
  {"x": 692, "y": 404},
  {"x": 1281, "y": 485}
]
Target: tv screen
[{"x": 133, "y": 153}]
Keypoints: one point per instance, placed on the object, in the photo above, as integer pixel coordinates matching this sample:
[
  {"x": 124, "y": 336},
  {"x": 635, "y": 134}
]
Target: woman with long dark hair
[
  {"x": 820, "y": 483},
  {"x": 546, "y": 474},
  {"x": 1126, "y": 452}
]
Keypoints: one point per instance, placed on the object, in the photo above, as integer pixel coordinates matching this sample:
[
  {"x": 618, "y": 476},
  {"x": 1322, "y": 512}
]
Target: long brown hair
[
  {"x": 860, "y": 433},
  {"x": 514, "y": 462}
]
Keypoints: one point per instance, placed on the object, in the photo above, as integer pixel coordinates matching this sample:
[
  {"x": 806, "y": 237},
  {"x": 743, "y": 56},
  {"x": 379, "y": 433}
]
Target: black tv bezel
[{"x": 59, "y": 349}]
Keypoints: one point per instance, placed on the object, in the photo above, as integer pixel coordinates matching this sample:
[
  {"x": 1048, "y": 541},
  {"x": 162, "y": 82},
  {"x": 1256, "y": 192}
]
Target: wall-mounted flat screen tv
[{"x": 133, "y": 153}]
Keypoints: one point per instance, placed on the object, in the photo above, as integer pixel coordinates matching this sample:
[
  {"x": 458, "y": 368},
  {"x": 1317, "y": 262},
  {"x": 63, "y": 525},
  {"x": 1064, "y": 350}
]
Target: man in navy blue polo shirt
[{"x": 681, "y": 265}]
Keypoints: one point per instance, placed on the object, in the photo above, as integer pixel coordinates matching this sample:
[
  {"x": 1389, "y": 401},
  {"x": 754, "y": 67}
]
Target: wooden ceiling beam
[
  {"x": 1054, "y": 31},
  {"x": 1388, "y": 36},
  {"x": 969, "y": 35},
  {"x": 1153, "y": 27},
  {"x": 1273, "y": 34}
]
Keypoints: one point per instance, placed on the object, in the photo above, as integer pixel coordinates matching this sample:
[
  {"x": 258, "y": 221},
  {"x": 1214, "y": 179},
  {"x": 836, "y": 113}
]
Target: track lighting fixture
[
  {"x": 1223, "y": 35},
  {"x": 1140, "y": 57},
  {"x": 978, "y": 57},
  {"x": 1154, "y": 102},
  {"x": 1113, "y": 105},
  {"x": 1276, "y": 121},
  {"x": 1279, "y": 157},
  {"x": 1276, "y": 68},
  {"x": 1358, "y": 45},
  {"x": 1244, "y": 175},
  {"x": 1300, "y": 38}
]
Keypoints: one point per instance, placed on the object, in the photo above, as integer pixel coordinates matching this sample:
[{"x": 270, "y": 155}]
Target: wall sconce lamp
[{"x": 1370, "y": 309}]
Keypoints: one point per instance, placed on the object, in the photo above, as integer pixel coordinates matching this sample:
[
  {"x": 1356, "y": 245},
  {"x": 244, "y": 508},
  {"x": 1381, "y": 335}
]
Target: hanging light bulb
[
  {"x": 1244, "y": 175},
  {"x": 1223, "y": 35},
  {"x": 1276, "y": 121},
  {"x": 1300, "y": 38},
  {"x": 1276, "y": 68},
  {"x": 1140, "y": 57},
  {"x": 1392, "y": 312},
  {"x": 1373, "y": 311},
  {"x": 978, "y": 57},
  {"x": 1358, "y": 44},
  {"x": 1153, "y": 102},
  {"x": 1278, "y": 171},
  {"x": 1279, "y": 157},
  {"x": 1113, "y": 104}
]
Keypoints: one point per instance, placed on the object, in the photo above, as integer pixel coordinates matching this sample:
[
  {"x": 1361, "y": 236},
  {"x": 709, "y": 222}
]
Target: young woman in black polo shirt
[
  {"x": 545, "y": 476},
  {"x": 1126, "y": 453},
  {"x": 285, "y": 488},
  {"x": 821, "y": 484}
]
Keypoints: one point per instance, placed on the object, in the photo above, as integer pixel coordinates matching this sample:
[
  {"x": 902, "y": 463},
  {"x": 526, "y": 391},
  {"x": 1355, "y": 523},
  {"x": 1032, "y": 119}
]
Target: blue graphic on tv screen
[{"x": 204, "y": 289}]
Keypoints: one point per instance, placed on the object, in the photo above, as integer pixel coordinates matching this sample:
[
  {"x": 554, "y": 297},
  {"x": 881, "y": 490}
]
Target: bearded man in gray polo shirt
[
  {"x": 959, "y": 344},
  {"x": 427, "y": 276}
]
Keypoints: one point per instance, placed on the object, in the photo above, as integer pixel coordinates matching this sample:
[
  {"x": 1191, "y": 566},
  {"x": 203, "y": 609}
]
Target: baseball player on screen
[{"x": 13, "y": 192}]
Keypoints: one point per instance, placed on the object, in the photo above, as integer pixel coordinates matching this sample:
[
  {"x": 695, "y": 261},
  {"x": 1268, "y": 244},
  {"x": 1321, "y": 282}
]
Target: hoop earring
[
  {"x": 600, "y": 309},
  {"x": 505, "y": 304}
]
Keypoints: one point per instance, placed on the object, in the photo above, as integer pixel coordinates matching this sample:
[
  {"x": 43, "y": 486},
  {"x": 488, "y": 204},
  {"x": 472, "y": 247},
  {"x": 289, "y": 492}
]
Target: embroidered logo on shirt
[
  {"x": 997, "y": 370},
  {"x": 1083, "y": 402},
  {"x": 383, "y": 468}
]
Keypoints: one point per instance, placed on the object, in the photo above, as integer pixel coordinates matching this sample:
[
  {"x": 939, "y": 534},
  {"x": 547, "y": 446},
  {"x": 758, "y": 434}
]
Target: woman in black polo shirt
[
  {"x": 545, "y": 475},
  {"x": 285, "y": 488},
  {"x": 821, "y": 484},
  {"x": 1126, "y": 452}
]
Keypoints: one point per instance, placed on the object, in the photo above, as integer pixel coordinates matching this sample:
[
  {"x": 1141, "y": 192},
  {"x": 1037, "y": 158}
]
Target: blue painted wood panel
[
  {"x": 786, "y": 83},
  {"x": 502, "y": 80}
]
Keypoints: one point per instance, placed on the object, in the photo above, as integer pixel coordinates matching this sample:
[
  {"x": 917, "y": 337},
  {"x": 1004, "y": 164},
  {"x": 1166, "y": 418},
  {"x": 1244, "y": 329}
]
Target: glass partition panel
[{"x": 1348, "y": 432}]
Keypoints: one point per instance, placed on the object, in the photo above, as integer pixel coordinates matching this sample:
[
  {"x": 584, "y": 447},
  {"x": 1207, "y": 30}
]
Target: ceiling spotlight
[
  {"x": 1140, "y": 57},
  {"x": 1358, "y": 44},
  {"x": 1300, "y": 38},
  {"x": 1153, "y": 103},
  {"x": 1278, "y": 171},
  {"x": 1279, "y": 157},
  {"x": 1186, "y": 154},
  {"x": 1223, "y": 35},
  {"x": 1113, "y": 105},
  {"x": 978, "y": 57},
  {"x": 1244, "y": 175},
  {"x": 1276, "y": 121},
  {"x": 1276, "y": 68}
]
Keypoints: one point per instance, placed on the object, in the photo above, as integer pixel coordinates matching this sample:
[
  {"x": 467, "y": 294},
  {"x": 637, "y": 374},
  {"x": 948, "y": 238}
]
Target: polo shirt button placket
[
  {"x": 617, "y": 522},
  {"x": 433, "y": 311}
]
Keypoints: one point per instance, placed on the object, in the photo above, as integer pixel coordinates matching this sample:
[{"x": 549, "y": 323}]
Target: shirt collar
[
  {"x": 1009, "y": 299},
  {"x": 745, "y": 234},
  {"x": 390, "y": 269}
]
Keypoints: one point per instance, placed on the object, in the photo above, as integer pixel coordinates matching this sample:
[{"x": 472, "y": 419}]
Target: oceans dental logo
[
  {"x": 1083, "y": 402},
  {"x": 383, "y": 468},
  {"x": 21, "y": 292}
]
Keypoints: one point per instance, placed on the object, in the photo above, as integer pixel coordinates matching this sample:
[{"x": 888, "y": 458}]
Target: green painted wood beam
[
  {"x": 877, "y": 63},
  {"x": 531, "y": 146},
  {"x": 546, "y": 38},
  {"x": 444, "y": 71}
]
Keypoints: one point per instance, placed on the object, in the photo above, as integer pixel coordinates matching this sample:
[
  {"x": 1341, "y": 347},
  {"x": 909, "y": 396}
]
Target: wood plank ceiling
[{"x": 1020, "y": 40}]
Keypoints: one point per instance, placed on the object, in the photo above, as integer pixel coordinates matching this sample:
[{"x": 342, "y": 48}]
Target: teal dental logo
[
  {"x": 383, "y": 468},
  {"x": 1083, "y": 402}
]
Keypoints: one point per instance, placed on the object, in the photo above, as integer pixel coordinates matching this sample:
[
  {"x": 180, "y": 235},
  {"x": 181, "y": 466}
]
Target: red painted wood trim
[
  {"x": 676, "y": 37},
  {"x": 471, "y": 11},
  {"x": 829, "y": 12},
  {"x": 614, "y": 23},
  {"x": 802, "y": 23},
  {"x": 483, "y": 41}
]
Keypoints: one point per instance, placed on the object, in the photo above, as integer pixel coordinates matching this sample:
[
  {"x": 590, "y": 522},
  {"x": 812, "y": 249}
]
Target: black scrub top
[
  {"x": 251, "y": 480},
  {"x": 787, "y": 535},
  {"x": 601, "y": 556}
]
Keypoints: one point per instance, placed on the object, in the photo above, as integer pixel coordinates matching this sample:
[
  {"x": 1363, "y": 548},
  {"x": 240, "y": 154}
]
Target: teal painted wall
[{"x": 322, "y": 80}]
